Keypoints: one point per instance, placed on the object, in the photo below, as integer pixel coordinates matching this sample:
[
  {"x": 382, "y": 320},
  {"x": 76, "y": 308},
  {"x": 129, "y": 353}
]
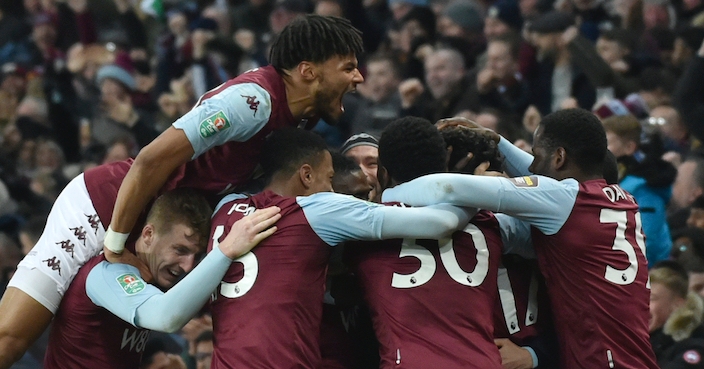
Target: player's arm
[
  {"x": 227, "y": 116},
  {"x": 515, "y": 236},
  {"x": 145, "y": 306},
  {"x": 337, "y": 218},
  {"x": 516, "y": 161},
  {"x": 22, "y": 320},
  {"x": 541, "y": 201}
]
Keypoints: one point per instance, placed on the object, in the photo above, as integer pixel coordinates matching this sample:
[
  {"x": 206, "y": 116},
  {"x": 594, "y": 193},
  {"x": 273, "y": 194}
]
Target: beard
[{"x": 323, "y": 102}]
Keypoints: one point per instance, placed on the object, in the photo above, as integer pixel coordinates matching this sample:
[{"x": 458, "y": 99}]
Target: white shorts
[{"x": 73, "y": 234}]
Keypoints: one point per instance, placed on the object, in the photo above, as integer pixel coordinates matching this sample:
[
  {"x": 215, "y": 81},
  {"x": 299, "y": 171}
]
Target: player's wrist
[{"x": 115, "y": 241}]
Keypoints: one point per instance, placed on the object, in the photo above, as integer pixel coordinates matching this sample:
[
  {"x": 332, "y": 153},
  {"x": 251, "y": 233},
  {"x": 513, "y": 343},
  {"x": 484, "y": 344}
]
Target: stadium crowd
[{"x": 107, "y": 104}]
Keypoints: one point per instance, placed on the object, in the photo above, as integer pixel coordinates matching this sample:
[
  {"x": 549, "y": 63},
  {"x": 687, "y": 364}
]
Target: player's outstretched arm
[
  {"x": 436, "y": 221},
  {"x": 22, "y": 321},
  {"x": 152, "y": 167},
  {"x": 168, "y": 312}
]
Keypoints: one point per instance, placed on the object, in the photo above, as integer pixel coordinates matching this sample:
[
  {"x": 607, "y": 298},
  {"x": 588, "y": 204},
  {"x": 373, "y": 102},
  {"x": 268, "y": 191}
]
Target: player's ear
[
  {"x": 559, "y": 158},
  {"x": 148, "y": 234},
  {"x": 383, "y": 177},
  {"x": 307, "y": 70},
  {"x": 305, "y": 174}
]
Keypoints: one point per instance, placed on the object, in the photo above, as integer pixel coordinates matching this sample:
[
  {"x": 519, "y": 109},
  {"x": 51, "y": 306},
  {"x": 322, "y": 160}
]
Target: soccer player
[
  {"x": 431, "y": 300},
  {"x": 213, "y": 147},
  {"x": 106, "y": 314},
  {"x": 586, "y": 233},
  {"x": 267, "y": 310},
  {"x": 522, "y": 322}
]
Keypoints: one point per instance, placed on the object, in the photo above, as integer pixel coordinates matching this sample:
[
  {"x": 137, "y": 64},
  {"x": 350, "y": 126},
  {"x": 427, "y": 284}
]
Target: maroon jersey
[
  {"x": 597, "y": 260},
  {"x": 232, "y": 164},
  {"x": 268, "y": 308},
  {"x": 84, "y": 335},
  {"x": 432, "y": 304},
  {"x": 522, "y": 310}
]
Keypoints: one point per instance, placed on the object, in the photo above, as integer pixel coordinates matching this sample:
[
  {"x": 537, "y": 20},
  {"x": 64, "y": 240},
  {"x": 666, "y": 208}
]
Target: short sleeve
[
  {"x": 236, "y": 113},
  {"x": 119, "y": 288}
]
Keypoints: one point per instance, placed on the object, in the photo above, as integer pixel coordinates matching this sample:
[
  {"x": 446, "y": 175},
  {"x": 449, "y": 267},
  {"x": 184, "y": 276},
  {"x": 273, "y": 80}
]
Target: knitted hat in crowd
[
  {"x": 361, "y": 139},
  {"x": 465, "y": 14},
  {"x": 552, "y": 22},
  {"x": 117, "y": 73},
  {"x": 507, "y": 11}
]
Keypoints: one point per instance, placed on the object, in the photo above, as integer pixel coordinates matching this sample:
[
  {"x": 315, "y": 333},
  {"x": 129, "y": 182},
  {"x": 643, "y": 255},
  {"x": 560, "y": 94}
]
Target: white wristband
[{"x": 115, "y": 241}]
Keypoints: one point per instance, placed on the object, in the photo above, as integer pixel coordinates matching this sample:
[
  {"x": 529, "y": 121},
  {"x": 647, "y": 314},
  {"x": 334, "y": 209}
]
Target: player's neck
[
  {"x": 299, "y": 97},
  {"x": 287, "y": 187}
]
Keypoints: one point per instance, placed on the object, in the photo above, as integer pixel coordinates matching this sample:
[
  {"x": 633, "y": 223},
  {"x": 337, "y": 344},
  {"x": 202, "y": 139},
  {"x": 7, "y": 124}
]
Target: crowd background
[{"x": 88, "y": 82}]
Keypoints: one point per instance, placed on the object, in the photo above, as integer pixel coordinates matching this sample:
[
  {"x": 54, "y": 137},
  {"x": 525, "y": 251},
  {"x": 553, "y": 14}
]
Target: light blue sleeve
[
  {"x": 119, "y": 288},
  {"x": 337, "y": 218},
  {"x": 543, "y": 202},
  {"x": 515, "y": 235},
  {"x": 516, "y": 161},
  {"x": 533, "y": 355},
  {"x": 235, "y": 114},
  {"x": 144, "y": 305}
]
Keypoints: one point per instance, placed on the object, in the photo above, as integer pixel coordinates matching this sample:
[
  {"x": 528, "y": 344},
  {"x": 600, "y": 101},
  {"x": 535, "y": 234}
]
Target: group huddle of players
[{"x": 434, "y": 287}]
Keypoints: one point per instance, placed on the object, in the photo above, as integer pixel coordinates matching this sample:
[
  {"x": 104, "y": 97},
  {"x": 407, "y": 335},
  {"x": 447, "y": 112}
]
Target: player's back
[
  {"x": 596, "y": 274},
  {"x": 84, "y": 335},
  {"x": 232, "y": 164},
  {"x": 432, "y": 301},
  {"x": 268, "y": 308}
]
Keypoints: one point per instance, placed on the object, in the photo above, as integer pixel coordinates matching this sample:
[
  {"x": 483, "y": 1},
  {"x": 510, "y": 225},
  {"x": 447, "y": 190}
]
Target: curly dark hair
[
  {"x": 411, "y": 147},
  {"x": 464, "y": 141},
  {"x": 314, "y": 38},
  {"x": 580, "y": 133}
]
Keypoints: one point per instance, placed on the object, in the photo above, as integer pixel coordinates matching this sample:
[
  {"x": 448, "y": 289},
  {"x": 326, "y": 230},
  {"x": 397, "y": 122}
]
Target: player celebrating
[
  {"x": 213, "y": 147},
  {"x": 267, "y": 310},
  {"x": 105, "y": 316},
  {"x": 587, "y": 236}
]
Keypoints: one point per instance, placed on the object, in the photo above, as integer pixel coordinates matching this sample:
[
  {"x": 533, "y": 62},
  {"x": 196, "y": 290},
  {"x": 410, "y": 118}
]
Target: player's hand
[
  {"x": 127, "y": 257},
  {"x": 513, "y": 356},
  {"x": 249, "y": 231},
  {"x": 464, "y": 122}
]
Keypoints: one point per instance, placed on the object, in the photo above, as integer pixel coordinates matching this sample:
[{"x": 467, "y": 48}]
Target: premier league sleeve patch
[
  {"x": 692, "y": 357},
  {"x": 526, "y": 181},
  {"x": 131, "y": 283}
]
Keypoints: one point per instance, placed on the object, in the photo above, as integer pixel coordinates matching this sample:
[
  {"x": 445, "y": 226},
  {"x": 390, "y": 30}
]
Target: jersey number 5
[
  {"x": 628, "y": 275},
  {"x": 449, "y": 260},
  {"x": 250, "y": 271}
]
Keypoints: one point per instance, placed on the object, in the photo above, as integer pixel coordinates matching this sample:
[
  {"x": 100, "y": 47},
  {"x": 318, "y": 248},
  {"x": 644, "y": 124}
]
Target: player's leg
[
  {"x": 22, "y": 320},
  {"x": 72, "y": 235}
]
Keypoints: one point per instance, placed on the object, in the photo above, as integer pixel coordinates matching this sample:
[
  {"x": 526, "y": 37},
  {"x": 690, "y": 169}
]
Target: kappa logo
[
  {"x": 526, "y": 181},
  {"x": 53, "y": 264},
  {"x": 130, "y": 283},
  {"x": 253, "y": 103},
  {"x": 94, "y": 222},
  {"x": 214, "y": 124}
]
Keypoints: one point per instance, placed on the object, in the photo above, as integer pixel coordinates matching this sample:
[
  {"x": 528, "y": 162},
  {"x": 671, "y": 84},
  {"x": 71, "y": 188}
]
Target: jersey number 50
[
  {"x": 448, "y": 259},
  {"x": 250, "y": 271}
]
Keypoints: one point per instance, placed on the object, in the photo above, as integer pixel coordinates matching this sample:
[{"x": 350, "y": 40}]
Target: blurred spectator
[
  {"x": 463, "y": 22},
  {"x": 448, "y": 90},
  {"x": 503, "y": 16},
  {"x": 666, "y": 120},
  {"x": 499, "y": 84},
  {"x": 688, "y": 251},
  {"x": 10, "y": 256},
  {"x": 689, "y": 95},
  {"x": 116, "y": 115},
  {"x": 647, "y": 177},
  {"x": 378, "y": 101},
  {"x": 696, "y": 213},
  {"x": 676, "y": 330},
  {"x": 364, "y": 150},
  {"x": 556, "y": 78},
  {"x": 204, "y": 350},
  {"x": 30, "y": 232}
]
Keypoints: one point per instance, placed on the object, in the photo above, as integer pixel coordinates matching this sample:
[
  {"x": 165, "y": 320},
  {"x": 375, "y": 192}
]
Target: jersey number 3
[
  {"x": 628, "y": 275},
  {"x": 250, "y": 271},
  {"x": 449, "y": 260}
]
